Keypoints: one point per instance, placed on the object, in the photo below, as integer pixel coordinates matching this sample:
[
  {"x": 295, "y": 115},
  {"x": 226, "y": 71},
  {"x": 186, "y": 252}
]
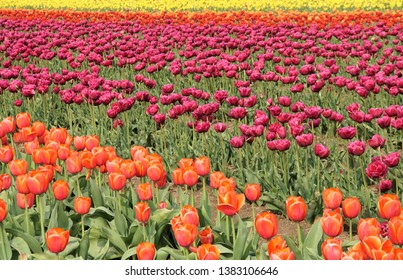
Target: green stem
[
  {"x": 351, "y": 229},
  {"x": 39, "y": 199},
  {"x": 366, "y": 191},
  {"x": 285, "y": 170},
  {"x": 299, "y": 230},
  {"x": 144, "y": 232},
  {"x": 227, "y": 226},
  {"x": 82, "y": 226},
  {"x": 3, "y": 238},
  {"x": 78, "y": 186},
  {"x": 26, "y": 216},
  {"x": 233, "y": 230},
  {"x": 318, "y": 176}
]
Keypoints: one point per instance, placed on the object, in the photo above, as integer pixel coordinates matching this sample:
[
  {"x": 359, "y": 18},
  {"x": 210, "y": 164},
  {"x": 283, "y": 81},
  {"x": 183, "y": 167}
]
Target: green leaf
[
  {"x": 101, "y": 212},
  {"x": 84, "y": 245},
  {"x": 30, "y": 240},
  {"x": 311, "y": 242},
  {"x": 174, "y": 253},
  {"x": 114, "y": 238},
  {"x": 5, "y": 248},
  {"x": 263, "y": 252},
  {"x": 129, "y": 253},
  {"x": 96, "y": 194},
  {"x": 98, "y": 248},
  {"x": 45, "y": 256},
  {"x": 240, "y": 243},
  {"x": 121, "y": 223},
  {"x": 160, "y": 215},
  {"x": 21, "y": 246},
  {"x": 71, "y": 246},
  {"x": 59, "y": 218},
  {"x": 293, "y": 247}
]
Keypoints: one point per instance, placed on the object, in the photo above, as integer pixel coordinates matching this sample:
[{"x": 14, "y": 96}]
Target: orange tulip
[
  {"x": 29, "y": 147},
  {"x": 351, "y": 207},
  {"x": 88, "y": 160},
  {"x": 60, "y": 189},
  {"x": 6, "y": 154},
  {"x": 100, "y": 155},
  {"x": 3, "y": 210},
  {"x": 226, "y": 185},
  {"x": 208, "y": 252},
  {"x": 266, "y": 225},
  {"x": 25, "y": 200},
  {"x": 395, "y": 230},
  {"x": 44, "y": 156},
  {"x": 143, "y": 211},
  {"x": 73, "y": 164},
  {"x": 37, "y": 182},
  {"x": 357, "y": 252},
  {"x": 82, "y": 205},
  {"x": 398, "y": 254},
  {"x": 39, "y": 128},
  {"x": 52, "y": 145},
  {"x": 141, "y": 167},
  {"x": 275, "y": 244},
  {"x": 9, "y": 124},
  {"x": 185, "y": 233},
  {"x": 282, "y": 254},
  {"x": 332, "y": 223},
  {"x": 5, "y": 182},
  {"x": 296, "y": 208},
  {"x": 215, "y": 179},
  {"x": 116, "y": 181},
  {"x": 189, "y": 215},
  {"x": 49, "y": 171},
  {"x": 138, "y": 152},
  {"x": 23, "y": 120},
  {"x": 21, "y": 184},
  {"x": 202, "y": 165},
  {"x": 155, "y": 172},
  {"x": 63, "y": 152},
  {"x": 79, "y": 142},
  {"x": 367, "y": 227},
  {"x": 184, "y": 163},
  {"x": 91, "y": 141},
  {"x": 332, "y": 198},
  {"x": 177, "y": 176},
  {"x": 45, "y": 136},
  {"x": 57, "y": 239},
  {"x": 144, "y": 191},
  {"x": 332, "y": 249},
  {"x": 376, "y": 249},
  {"x": 58, "y": 134},
  {"x": 190, "y": 176},
  {"x": 230, "y": 203},
  {"x": 114, "y": 165},
  {"x": 206, "y": 235},
  {"x": 161, "y": 183},
  {"x": 145, "y": 251},
  {"x": 252, "y": 192},
  {"x": 18, "y": 167},
  {"x": 162, "y": 205},
  {"x": 388, "y": 206}
]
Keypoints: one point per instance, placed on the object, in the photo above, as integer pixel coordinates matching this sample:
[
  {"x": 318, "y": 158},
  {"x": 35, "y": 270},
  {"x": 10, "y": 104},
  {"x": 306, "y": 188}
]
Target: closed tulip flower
[
  {"x": 332, "y": 223},
  {"x": 351, "y": 207},
  {"x": 6, "y": 154},
  {"x": 3, "y": 210},
  {"x": 332, "y": 249},
  {"x": 18, "y": 167},
  {"x": 21, "y": 184},
  {"x": 296, "y": 208},
  {"x": 57, "y": 239},
  {"x": 144, "y": 191},
  {"x": 23, "y": 120},
  {"x": 252, "y": 192},
  {"x": 202, "y": 165},
  {"x": 332, "y": 198},
  {"x": 37, "y": 182},
  {"x": 155, "y": 172},
  {"x": 116, "y": 181},
  {"x": 356, "y": 148},
  {"x": 143, "y": 212},
  {"x": 145, "y": 251},
  {"x": 5, "y": 182},
  {"x": 388, "y": 206},
  {"x": 282, "y": 254},
  {"x": 60, "y": 189},
  {"x": 376, "y": 169},
  {"x": 215, "y": 179},
  {"x": 73, "y": 164},
  {"x": 367, "y": 227},
  {"x": 82, "y": 205},
  {"x": 189, "y": 215},
  {"x": 25, "y": 200},
  {"x": 185, "y": 233},
  {"x": 321, "y": 151},
  {"x": 190, "y": 176},
  {"x": 208, "y": 252},
  {"x": 266, "y": 225},
  {"x": 177, "y": 176},
  {"x": 395, "y": 230},
  {"x": 230, "y": 202}
]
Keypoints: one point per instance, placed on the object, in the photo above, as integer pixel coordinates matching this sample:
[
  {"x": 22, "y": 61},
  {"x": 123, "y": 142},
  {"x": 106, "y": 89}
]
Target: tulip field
[{"x": 187, "y": 130}]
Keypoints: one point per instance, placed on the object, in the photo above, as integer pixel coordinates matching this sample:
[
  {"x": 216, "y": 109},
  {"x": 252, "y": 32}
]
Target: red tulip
[
  {"x": 252, "y": 192},
  {"x": 392, "y": 159},
  {"x": 3, "y": 210},
  {"x": 304, "y": 140},
  {"x": 25, "y": 200},
  {"x": 18, "y": 167},
  {"x": 116, "y": 181},
  {"x": 155, "y": 171},
  {"x": 296, "y": 208},
  {"x": 332, "y": 249},
  {"x": 6, "y": 154},
  {"x": 143, "y": 212},
  {"x": 57, "y": 239},
  {"x": 190, "y": 176},
  {"x": 332, "y": 198},
  {"x": 377, "y": 249},
  {"x": 351, "y": 207},
  {"x": 189, "y": 215},
  {"x": 82, "y": 205},
  {"x": 388, "y": 206},
  {"x": 177, "y": 176},
  {"x": 347, "y": 132},
  {"x": 21, "y": 184},
  {"x": 202, "y": 165},
  {"x": 91, "y": 141},
  {"x": 275, "y": 244},
  {"x": 356, "y": 148},
  {"x": 60, "y": 189},
  {"x": 145, "y": 251},
  {"x": 215, "y": 179},
  {"x": 73, "y": 164},
  {"x": 230, "y": 202},
  {"x": 127, "y": 167},
  {"x": 395, "y": 230},
  {"x": 144, "y": 191},
  {"x": 208, "y": 252},
  {"x": 37, "y": 182},
  {"x": 332, "y": 223},
  {"x": 58, "y": 135},
  {"x": 184, "y": 233},
  {"x": 376, "y": 169},
  {"x": 23, "y": 120},
  {"x": 5, "y": 182},
  {"x": 266, "y": 225},
  {"x": 283, "y": 254},
  {"x": 206, "y": 236},
  {"x": 321, "y": 151},
  {"x": 367, "y": 227}
]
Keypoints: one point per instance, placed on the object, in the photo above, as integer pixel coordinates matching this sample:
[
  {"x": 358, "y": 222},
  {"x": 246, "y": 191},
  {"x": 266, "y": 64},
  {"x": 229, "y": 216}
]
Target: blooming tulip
[
  {"x": 189, "y": 215},
  {"x": 332, "y": 249},
  {"x": 367, "y": 227},
  {"x": 282, "y": 254},
  {"x": 376, "y": 169},
  {"x": 145, "y": 251},
  {"x": 144, "y": 191},
  {"x": 18, "y": 167},
  {"x": 57, "y": 239},
  {"x": 230, "y": 202},
  {"x": 143, "y": 211},
  {"x": 388, "y": 206},
  {"x": 332, "y": 197},
  {"x": 378, "y": 249},
  {"x": 296, "y": 208},
  {"x": 395, "y": 230},
  {"x": 332, "y": 223},
  {"x": 208, "y": 252},
  {"x": 266, "y": 225},
  {"x": 82, "y": 205},
  {"x": 206, "y": 235}
]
